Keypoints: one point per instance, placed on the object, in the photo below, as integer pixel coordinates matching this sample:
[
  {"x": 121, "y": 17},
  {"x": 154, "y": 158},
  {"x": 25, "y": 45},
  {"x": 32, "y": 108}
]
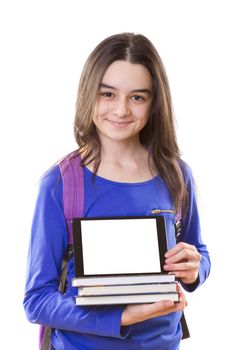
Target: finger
[
  {"x": 158, "y": 307},
  {"x": 180, "y": 290},
  {"x": 181, "y": 305},
  {"x": 165, "y": 307},
  {"x": 182, "y": 274},
  {"x": 168, "y": 311},
  {"x": 182, "y": 297},
  {"x": 178, "y": 247},
  {"x": 183, "y": 266},
  {"x": 187, "y": 276},
  {"x": 164, "y": 310},
  {"x": 182, "y": 255}
]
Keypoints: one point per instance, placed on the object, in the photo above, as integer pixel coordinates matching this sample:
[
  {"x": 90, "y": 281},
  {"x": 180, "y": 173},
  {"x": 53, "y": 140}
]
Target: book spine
[
  {"x": 126, "y": 289},
  {"x": 126, "y": 299},
  {"x": 120, "y": 280}
]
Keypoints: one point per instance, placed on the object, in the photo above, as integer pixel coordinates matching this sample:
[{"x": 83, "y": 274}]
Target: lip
[{"x": 119, "y": 124}]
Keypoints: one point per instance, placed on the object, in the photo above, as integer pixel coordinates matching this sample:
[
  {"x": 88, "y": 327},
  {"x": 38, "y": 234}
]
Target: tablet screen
[{"x": 111, "y": 246}]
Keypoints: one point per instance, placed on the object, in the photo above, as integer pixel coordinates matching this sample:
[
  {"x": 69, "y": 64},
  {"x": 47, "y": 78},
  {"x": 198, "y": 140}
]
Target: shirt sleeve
[
  {"x": 191, "y": 233},
  {"x": 43, "y": 303}
]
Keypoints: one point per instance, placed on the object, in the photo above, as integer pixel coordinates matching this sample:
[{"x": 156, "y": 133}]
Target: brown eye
[
  {"x": 137, "y": 98},
  {"x": 106, "y": 94}
]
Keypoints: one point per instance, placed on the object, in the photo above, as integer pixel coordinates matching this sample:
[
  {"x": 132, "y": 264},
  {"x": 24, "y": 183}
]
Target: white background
[
  {"x": 43, "y": 47},
  {"x": 105, "y": 241}
]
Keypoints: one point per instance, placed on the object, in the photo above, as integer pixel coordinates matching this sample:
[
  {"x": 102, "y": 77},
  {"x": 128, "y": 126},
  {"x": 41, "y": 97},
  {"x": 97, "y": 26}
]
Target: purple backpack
[{"x": 73, "y": 203}]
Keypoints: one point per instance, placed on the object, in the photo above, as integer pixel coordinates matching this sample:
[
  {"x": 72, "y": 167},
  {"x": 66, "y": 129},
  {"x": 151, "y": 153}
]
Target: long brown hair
[{"x": 158, "y": 135}]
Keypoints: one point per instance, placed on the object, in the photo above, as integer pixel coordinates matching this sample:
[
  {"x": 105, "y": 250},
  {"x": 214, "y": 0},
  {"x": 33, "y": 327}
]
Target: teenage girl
[{"x": 131, "y": 163}]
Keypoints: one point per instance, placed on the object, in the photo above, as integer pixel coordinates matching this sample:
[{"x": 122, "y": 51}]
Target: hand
[
  {"x": 183, "y": 261},
  {"x": 142, "y": 312}
]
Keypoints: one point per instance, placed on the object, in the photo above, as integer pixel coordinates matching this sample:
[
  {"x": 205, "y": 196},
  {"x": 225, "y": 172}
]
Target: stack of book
[{"x": 128, "y": 289}]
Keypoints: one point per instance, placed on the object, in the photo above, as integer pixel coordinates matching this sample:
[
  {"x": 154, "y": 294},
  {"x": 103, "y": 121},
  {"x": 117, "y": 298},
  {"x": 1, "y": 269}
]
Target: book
[
  {"x": 119, "y": 260},
  {"x": 122, "y": 280},
  {"x": 128, "y": 289},
  {"x": 125, "y": 299}
]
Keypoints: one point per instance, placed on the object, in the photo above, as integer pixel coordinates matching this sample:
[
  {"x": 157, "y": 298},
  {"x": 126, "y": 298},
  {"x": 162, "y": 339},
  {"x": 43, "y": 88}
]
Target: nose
[{"x": 121, "y": 108}]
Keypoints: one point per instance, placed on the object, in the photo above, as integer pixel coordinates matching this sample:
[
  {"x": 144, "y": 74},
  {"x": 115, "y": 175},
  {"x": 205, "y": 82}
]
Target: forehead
[{"x": 127, "y": 75}]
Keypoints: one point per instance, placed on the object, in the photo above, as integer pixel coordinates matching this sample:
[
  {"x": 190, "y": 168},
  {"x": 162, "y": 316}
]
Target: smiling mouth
[{"x": 119, "y": 124}]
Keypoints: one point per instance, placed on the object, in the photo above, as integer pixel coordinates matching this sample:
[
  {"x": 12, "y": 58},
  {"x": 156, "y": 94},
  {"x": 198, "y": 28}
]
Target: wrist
[{"x": 191, "y": 286}]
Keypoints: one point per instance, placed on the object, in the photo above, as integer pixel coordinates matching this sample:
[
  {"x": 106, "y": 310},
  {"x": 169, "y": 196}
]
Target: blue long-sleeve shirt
[{"x": 98, "y": 327}]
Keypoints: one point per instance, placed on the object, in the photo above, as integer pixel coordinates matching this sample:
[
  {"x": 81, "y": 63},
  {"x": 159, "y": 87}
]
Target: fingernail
[
  {"x": 168, "y": 303},
  {"x": 166, "y": 267}
]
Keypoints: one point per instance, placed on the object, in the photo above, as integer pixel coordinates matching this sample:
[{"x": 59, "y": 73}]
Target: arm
[
  {"x": 43, "y": 303},
  {"x": 189, "y": 259}
]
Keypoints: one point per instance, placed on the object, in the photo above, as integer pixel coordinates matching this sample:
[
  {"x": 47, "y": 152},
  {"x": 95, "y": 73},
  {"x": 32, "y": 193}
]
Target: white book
[
  {"x": 126, "y": 299},
  {"x": 128, "y": 289},
  {"x": 122, "y": 280}
]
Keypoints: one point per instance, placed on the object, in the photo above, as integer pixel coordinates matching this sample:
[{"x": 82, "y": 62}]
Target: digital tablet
[{"x": 111, "y": 246}]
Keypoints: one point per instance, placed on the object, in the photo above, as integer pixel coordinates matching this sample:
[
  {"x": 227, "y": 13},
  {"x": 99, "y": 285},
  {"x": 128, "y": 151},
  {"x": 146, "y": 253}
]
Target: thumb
[{"x": 158, "y": 307}]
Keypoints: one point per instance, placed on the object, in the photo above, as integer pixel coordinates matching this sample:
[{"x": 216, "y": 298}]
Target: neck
[
  {"x": 124, "y": 161},
  {"x": 112, "y": 150}
]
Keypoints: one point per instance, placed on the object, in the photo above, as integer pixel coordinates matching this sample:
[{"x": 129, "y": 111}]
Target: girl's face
[{"x": 123, "y": 102}]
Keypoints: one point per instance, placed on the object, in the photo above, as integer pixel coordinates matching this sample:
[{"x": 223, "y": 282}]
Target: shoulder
[
  {"x": 51, "y": 182},
  {"x": 189, "y": 179},
  {"x": 187, "y": 172}
]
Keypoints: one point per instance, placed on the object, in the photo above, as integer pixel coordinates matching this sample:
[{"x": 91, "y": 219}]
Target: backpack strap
[
  {"x": 73, "y": 206},
  {"x": 184, "y": 326},
  {"x": 73, "y": 189},
  {"x": 178, "y": 224}
]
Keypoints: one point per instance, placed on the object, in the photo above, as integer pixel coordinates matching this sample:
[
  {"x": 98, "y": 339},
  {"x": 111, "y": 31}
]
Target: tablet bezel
[{"x": 78, "y": 251}]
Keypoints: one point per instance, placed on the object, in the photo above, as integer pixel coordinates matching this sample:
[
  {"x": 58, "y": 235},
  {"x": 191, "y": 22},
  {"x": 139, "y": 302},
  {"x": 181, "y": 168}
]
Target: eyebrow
[{"x": 102, "y": 85}]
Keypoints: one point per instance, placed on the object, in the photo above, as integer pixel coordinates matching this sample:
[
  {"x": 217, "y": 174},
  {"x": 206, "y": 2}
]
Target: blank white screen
[{"x": 120, "y": 246}]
